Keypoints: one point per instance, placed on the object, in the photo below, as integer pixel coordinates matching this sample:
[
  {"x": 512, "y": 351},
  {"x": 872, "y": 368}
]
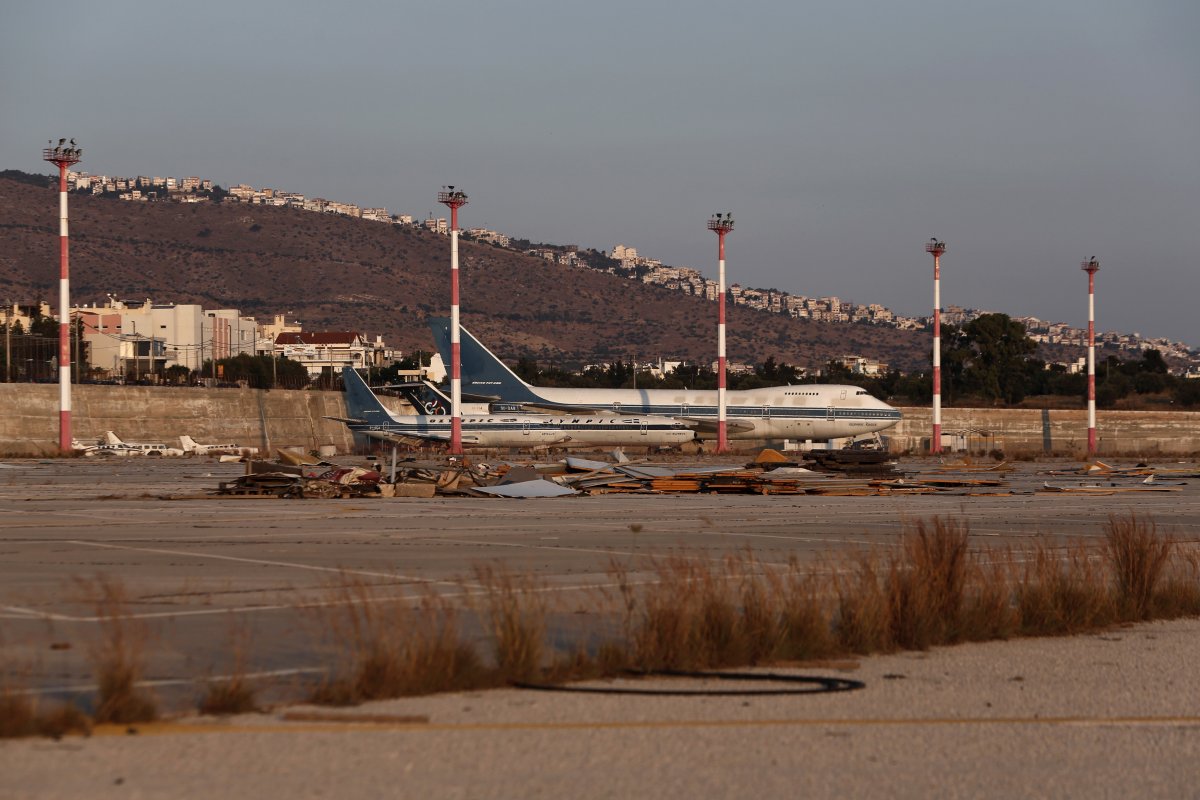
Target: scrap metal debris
[{"x": 771, "y": 473}]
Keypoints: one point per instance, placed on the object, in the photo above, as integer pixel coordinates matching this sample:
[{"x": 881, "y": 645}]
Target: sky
[{"x": 1030, "y": 135}]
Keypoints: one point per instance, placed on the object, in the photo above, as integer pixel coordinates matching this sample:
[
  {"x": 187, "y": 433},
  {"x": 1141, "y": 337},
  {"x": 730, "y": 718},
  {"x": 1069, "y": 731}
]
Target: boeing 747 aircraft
[{"x": 805, "y": 411}]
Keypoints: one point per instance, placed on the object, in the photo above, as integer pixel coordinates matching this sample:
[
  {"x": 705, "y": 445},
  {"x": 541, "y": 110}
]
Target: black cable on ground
[{"x": 796, "y": 684}]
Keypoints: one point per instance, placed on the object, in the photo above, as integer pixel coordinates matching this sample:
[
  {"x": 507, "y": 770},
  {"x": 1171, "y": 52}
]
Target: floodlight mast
[
  {"x": 454, "y": 199},
  {"x": 63, "y": 156},
  {"x": 1091, "y": 267},
  {"x": 936, "y": 247},
  {"x": 721, "y": 225}
]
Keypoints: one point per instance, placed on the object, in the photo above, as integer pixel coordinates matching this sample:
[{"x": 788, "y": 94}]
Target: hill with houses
[{"x": 336, "y": 271}]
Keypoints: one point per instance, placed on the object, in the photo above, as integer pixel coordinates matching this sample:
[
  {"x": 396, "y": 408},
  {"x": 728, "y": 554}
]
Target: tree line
[{"x": 988, "y": 361}]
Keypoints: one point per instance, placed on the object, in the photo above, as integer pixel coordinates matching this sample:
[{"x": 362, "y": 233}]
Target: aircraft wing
[
  {"x": 583, "y": 411},
  {"x": 710, "y": 425},
  {"x": 467, "y": 397},
  {"x": 558, "y": 409},
  {"x": 408, "y": 439}
]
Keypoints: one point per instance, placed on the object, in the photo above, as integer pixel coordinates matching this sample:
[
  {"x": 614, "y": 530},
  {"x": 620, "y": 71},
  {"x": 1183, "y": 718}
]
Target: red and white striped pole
[
  {"x": 1091, "y": 267},
  {"x": 721, "y": 225},
  {"x": 454, "y": 199},
  {"x": 63, "y": 156},
  {"x": 936, "y": 248}
]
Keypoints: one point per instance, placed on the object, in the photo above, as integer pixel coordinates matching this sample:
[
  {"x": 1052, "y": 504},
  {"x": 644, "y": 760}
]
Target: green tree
[
  {"x": 1153, "y": 362},
  {"x": 989, "y": 358},
  {"x": 1187, "y": 392},
  {"x": 258, "y": 371}
]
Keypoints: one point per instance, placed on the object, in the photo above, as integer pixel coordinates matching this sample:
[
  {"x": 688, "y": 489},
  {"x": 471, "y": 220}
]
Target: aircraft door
[
  {"x": 644, "y": 430},
  {"x": 829, "y": 414},
  {"x": 524, "y": 428},
  {"x": 766, "y": 412}
]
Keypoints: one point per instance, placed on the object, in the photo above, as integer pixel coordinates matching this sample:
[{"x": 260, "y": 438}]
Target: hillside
[{"x": 336, "y": 272}]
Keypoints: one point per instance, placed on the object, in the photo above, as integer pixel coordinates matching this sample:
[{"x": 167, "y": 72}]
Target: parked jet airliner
[
  {"x": 805, "y": 411},
  {"x": 370, "y": 418}
]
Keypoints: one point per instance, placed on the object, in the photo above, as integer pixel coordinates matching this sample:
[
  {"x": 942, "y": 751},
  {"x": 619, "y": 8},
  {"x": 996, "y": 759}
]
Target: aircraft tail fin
[
  {"x": 427, "y": 398},
  {"x": 361, "y": 402},
  {"x": 111, "y": 438},
  {"x": 482, "y": 372},
  {"x": 187, "y": 443}
]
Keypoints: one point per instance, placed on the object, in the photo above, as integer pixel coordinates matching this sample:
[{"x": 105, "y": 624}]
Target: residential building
[
  {"x": 319, "y": 350},
  {"x": 162, "y": 335}
]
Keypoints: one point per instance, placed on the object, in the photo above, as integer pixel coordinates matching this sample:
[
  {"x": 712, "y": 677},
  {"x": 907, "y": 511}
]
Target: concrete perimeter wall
[
  {"x": 1032, "y": 430},
  {"x": 248, "y": 417},
  {"x": 280, "y": 418}
]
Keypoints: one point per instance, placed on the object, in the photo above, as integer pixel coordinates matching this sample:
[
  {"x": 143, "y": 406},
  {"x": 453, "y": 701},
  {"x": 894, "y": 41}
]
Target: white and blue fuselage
[
  {"x": 804, "y": 411},
  {"x": 370, "y": 418}
]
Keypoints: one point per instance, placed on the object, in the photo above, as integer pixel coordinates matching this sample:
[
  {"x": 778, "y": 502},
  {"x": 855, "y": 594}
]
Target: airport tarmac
[{"x": 1112, "y": 714}]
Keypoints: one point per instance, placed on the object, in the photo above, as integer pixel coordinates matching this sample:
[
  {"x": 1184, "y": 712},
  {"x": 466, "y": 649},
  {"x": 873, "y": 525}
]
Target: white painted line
[
  {"x": 161, "y": 682},
  {"x": 631, "y": 553},
  {"x": 265, "y": 562}
]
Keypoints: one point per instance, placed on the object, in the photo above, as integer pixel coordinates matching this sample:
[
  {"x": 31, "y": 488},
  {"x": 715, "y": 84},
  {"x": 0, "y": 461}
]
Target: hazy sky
[{"x": 1029, "y": 134}]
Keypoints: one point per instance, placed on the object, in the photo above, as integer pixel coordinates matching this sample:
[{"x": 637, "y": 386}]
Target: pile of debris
[
  {"x": 295, "y": 475},
  {"x": 770, "y": 473},
  {"x": 1105, "y": 479}
]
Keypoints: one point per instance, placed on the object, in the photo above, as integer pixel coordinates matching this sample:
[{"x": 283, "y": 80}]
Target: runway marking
[
  {"x": 265, "y": 562},
  {"x": 164, "y": 682},
  {"x": 631, "y": 553},
  {"x": 28, "y": 614},
  {"x": 358, "y": 726}
]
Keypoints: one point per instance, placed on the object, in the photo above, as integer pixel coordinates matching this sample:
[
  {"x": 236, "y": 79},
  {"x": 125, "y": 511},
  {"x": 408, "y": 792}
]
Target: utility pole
[
  {"x": 454, "y": 199},
  {"x": 76, "y": 323},
  {"x": 63, "y": 156},
  {"x": 137, "y": 354},
  {"x": 8, "y": 315},
  {"x": 935, "y": 247},
  {"x": 1091, "y": 267},
  {"x": 721, "y": 225}
]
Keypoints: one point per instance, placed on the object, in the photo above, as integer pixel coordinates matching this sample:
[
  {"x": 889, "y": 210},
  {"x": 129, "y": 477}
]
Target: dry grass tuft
[
  {"x": 235, "y": 693},
  {"x": 862, "y": 623},
  {"x": 721, "y": 635},
  {"x": 925, "y": 585},
  {"x": 805, "y": 628},
  {"x": 118, "y": 658},
  {"x": 516, "y": 612},
  {"x": 388, "y": 649},
  {"x": 63, "y": 719},
  {"x": 664, "y": 618},
  {"x": 1178, "y": 593},
  {"x": 988, "y": 610},
  {"x": 21, "y": 715},
  {"x": 18, "y": 714},
  {"x": 1063, "y": 592},
  {"x": 435, "y": 657},
  {"x": 1137, "y": 556}
]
